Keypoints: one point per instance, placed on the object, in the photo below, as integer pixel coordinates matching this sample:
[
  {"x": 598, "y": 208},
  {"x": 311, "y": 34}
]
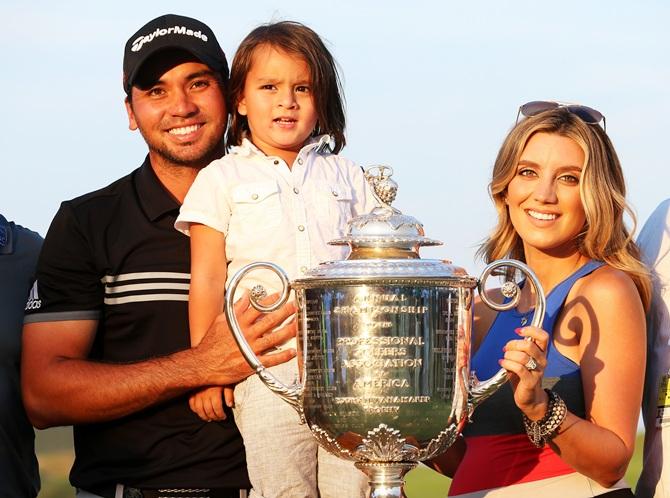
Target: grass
[
  {"x": 54, "y": 451},
  {"x": 55, "y": 454}
]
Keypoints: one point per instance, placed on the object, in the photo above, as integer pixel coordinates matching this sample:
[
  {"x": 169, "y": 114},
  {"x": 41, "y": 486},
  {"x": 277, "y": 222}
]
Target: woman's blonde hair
[{"x": 605, "y": 236}]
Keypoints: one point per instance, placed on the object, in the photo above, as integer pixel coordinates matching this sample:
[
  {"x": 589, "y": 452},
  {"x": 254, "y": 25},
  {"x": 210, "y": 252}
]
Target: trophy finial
[
  {"x": 384, "y": 188},
  {"x": 384, "y": 232}
]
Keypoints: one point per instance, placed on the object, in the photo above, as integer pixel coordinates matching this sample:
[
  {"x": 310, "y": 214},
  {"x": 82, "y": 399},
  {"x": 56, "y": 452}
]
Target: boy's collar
[{"x": 323, "y": 144}]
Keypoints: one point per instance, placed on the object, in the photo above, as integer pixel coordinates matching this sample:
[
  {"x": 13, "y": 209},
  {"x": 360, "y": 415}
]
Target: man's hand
[{"x": 220, "y": 354}]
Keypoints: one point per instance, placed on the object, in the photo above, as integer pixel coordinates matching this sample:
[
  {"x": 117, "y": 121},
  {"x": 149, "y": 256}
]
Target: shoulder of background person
[{"x": 19, "y": 237}]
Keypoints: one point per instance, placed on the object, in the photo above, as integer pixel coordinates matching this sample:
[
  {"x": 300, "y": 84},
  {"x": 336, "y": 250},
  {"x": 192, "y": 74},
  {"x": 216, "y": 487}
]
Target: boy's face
[{"x": 278, "y": 102}]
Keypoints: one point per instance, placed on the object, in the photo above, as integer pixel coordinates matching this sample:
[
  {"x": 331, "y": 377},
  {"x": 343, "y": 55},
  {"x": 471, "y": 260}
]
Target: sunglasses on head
[{"x": 586, "y": 114}]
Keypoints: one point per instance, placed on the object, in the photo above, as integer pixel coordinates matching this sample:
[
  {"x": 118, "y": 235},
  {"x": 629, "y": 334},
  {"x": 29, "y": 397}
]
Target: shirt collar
[
  {"x": 6, "y": 237},
  {"x": 323, "y": 144},
  {"x": 154, "y": 199}
]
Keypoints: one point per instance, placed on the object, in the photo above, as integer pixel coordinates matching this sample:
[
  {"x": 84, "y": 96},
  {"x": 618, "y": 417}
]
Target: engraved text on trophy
[{"x": 378, "y": 355}]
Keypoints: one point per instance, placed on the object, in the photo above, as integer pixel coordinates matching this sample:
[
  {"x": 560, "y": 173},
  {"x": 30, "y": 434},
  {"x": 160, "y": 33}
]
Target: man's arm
[{"x": 62, "y": 387}]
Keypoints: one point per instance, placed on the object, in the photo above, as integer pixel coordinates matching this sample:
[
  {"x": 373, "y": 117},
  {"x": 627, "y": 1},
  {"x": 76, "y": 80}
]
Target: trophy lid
[
  {"x": 384, "y": 232},
  {"x": 384, "y": 242}
]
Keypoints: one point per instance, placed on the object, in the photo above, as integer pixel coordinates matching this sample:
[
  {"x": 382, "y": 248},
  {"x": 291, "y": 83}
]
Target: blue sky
[{"x": 431, "y": 87}]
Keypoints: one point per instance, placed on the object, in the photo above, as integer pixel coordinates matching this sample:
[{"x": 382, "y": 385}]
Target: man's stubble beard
[{"x": 212, "y": 151}]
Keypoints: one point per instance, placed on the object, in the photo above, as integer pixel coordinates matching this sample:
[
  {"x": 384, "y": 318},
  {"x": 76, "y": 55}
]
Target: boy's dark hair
[{"x": 296, "y": 39}]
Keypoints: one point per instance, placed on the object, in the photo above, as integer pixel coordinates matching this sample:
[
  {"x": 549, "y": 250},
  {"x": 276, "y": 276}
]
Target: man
[
  {"x": 106, "y": 341},
  {"x": 19, "y": 473},
  {"x": 654, "y": 241}
]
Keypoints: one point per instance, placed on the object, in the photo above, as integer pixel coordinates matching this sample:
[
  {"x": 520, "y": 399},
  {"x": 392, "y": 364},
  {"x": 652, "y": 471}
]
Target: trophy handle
[
  {"x": 290, "y": 394},
  {"x": 480, "y": 390}
]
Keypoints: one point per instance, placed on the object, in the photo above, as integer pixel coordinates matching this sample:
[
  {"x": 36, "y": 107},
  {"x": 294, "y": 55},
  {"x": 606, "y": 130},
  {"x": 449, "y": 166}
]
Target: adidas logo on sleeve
[{"x": 34, "y": 301}]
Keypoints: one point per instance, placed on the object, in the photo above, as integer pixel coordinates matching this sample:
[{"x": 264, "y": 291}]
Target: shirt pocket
[
  {"x": 257, "y": 204},
  {"x": 333, "y": 204}
]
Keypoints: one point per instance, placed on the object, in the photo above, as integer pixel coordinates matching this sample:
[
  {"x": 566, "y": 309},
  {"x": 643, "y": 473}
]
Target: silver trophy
[{"x": 384, "y": 343}]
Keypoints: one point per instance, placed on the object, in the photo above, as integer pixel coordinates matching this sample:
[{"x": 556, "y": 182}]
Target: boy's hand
[
  {"x": 229, "y": 396},
  {"x": 208, "y": 403}
]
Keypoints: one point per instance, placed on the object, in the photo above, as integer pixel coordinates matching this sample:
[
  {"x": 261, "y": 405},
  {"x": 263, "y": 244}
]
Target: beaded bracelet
[{"x": 544, "y": 430}]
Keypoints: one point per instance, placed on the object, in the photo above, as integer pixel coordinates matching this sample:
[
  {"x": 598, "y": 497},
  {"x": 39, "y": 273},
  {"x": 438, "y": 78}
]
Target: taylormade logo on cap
[{"x": 177, "y": 30}]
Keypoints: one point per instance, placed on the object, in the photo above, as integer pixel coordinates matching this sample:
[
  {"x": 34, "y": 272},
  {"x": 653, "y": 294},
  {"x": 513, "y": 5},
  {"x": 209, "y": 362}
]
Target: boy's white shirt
[{"x": 269, "y": 212}]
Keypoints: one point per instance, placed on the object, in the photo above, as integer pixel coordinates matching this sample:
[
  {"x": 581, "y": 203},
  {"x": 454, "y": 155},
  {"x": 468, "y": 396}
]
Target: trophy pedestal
[{"x": 386, "y": 479}]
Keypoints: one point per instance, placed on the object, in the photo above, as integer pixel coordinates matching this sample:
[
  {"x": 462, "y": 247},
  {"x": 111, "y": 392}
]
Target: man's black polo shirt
[{"x": 113, "y": 255}]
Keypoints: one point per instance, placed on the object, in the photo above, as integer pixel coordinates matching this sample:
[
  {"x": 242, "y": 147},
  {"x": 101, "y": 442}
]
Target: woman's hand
[{"x": 525, "y": 360}]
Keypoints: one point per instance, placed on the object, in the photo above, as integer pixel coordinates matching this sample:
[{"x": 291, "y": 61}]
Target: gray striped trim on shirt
[
  {"x": 61, "y": 316},
  {"x": 141, "y": 287}
]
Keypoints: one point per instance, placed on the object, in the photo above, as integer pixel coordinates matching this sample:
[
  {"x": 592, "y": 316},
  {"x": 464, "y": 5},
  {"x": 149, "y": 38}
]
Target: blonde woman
[{"x": 565, "y": 424}]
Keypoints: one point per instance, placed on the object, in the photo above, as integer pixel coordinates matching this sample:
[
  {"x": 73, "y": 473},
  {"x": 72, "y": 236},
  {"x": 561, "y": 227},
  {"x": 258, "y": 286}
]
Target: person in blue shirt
[{"x": 19, "y": 249}]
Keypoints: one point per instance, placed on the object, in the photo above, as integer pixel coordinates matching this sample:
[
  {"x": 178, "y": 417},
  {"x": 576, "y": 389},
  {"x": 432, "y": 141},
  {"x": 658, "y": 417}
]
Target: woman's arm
[
  {"x": 613, "y": 357},
  {"x": 607, "y": 318},
  {"x": 208, "y": 279}
]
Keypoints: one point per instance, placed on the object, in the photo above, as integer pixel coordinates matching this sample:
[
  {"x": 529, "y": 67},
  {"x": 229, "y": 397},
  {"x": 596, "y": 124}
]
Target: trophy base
[{"x": 386, "y": 478}]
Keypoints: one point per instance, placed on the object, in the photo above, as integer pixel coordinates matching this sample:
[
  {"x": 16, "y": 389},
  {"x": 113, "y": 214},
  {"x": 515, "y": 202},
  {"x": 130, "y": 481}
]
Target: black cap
[{"x": 176, "y": 32}]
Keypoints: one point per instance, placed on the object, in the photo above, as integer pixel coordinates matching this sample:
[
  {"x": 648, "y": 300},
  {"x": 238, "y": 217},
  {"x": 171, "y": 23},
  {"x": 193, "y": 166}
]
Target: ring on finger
[{"x": 531, "y": 364}]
